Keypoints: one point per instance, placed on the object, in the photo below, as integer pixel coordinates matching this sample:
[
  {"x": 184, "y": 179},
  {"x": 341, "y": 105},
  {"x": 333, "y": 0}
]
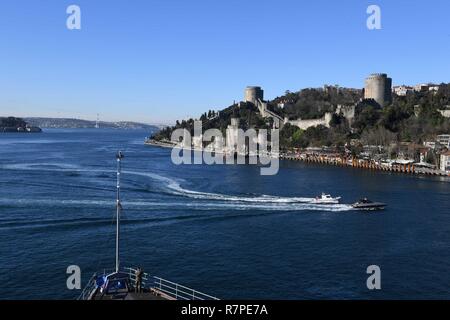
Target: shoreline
[
  {"x": 341, "y": 161},
  {"x": 371, "y": 165},
  {"x": 171, "y": 145}
]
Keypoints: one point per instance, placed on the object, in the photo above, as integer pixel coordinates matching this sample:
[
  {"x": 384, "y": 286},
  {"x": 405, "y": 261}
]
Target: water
[{"x": 223, "y": 230}]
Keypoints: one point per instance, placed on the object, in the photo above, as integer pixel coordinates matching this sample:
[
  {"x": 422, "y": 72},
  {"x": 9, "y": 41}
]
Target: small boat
[
  {"x": 326, "y": 199},
  {"x": 366, "y": 204}
]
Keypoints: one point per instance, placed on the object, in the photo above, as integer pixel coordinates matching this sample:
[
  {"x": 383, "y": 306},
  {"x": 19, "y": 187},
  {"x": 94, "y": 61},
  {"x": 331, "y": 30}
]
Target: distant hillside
[{"x": 83, "y": 124}]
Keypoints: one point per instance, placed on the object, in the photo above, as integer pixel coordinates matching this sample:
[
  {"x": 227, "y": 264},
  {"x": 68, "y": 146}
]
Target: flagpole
[{"x": 119, "y": 158}]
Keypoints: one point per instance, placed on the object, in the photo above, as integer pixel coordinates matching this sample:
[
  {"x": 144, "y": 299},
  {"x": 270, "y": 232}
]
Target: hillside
[
  {"x": 312, "y": 103},
  {"x": 412, "y": 118}
]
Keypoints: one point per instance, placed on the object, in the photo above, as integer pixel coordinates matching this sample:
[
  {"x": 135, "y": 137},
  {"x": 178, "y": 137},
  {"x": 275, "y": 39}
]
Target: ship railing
[
  {"x": 84, "y": 295},
  {"x": 171, "y": 289},
  {"x": 178, "y": 291},
  {"x": 92, "y": 283}
]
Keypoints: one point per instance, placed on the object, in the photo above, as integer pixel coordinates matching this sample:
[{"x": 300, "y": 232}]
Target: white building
[
  {"x": 445, "y": 112},
  {"x": 433, "y": 88},
  {"x": 402, "y": 90},
  {"x": 430, "y": 144},
  {"x": 421, "y": 87},
  {"x": 445, "y": 161},
  {"x": 444, "y": 139}
]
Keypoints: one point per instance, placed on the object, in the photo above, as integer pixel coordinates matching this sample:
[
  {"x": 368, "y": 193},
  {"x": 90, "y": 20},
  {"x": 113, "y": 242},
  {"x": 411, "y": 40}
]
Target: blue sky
[{"x": 157, "y": 61}]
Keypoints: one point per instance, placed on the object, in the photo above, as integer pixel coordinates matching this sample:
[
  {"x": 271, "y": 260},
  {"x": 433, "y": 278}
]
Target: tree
[{"x": 366, "y": 116}]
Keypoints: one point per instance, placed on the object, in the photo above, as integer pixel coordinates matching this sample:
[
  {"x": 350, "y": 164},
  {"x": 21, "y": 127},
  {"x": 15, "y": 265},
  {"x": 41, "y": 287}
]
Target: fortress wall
[{"x": 305, "y": 124}]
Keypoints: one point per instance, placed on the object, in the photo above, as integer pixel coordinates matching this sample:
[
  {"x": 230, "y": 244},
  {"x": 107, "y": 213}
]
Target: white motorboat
[{"x": 326, "y": 199}]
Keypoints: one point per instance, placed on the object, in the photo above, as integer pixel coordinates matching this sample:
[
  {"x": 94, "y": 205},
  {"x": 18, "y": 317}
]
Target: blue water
[{"x": 224, "y": 230}]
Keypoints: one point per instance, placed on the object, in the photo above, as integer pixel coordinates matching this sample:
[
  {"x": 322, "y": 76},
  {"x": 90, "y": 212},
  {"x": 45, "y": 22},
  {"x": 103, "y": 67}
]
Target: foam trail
[
  {"x": 178, "y": 190},
  {"x": 147, "y": 205},
  {"x": 264, "y": 202}
]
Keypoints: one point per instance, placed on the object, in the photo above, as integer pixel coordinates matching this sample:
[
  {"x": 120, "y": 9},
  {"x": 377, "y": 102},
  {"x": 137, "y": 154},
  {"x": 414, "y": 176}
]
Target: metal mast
[{"x": 119, "y": 158}]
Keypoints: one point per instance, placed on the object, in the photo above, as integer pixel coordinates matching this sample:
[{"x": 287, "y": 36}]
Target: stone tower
[
  {"x": 379, "y": 88},
  {"x": 252, "y": 94}
]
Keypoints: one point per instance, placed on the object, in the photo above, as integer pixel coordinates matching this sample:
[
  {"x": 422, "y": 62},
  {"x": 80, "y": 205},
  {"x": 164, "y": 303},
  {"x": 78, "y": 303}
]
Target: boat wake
[{"x": 207, "y": 200}]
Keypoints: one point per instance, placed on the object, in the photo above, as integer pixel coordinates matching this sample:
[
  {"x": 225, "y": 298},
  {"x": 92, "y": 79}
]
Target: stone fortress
[
  {"x": 255, "y": 95},
  {"x": 378, "y": 88}
]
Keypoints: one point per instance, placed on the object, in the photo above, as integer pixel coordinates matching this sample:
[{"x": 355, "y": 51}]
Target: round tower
[
  {"x": 379, "y": 88},
  {"x": 252, "y": 94}
]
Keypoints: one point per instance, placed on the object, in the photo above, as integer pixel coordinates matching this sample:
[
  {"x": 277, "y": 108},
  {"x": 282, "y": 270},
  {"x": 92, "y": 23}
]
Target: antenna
[{"x": 119, "y": 158}]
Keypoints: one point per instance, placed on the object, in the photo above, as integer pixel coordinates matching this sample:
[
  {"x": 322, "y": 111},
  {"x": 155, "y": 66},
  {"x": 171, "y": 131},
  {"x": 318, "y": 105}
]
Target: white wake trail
[{"x": 218, "y": 201}]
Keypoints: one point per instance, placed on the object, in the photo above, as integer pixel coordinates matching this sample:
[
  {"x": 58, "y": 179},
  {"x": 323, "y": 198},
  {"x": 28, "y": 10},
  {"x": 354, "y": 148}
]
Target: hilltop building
[
  {"x": 402, "y": 90},
  {"x": 421, "y": 87},
  {"x": 379, "y": 88}
]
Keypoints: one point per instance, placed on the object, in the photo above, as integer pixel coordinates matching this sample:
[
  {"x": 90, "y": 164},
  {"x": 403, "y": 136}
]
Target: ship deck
[
  {"x": 147, "y": 295},
  {"x": 120, "y": 286}
]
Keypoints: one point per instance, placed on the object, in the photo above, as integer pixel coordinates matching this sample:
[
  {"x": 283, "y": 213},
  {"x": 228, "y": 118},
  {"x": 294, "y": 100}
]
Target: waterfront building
[{"x": 444, "y": 163}]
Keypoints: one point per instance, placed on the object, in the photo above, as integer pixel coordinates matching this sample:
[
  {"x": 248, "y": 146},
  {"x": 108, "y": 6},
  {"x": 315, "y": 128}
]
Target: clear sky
[{"x": 157, "y": 61}]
